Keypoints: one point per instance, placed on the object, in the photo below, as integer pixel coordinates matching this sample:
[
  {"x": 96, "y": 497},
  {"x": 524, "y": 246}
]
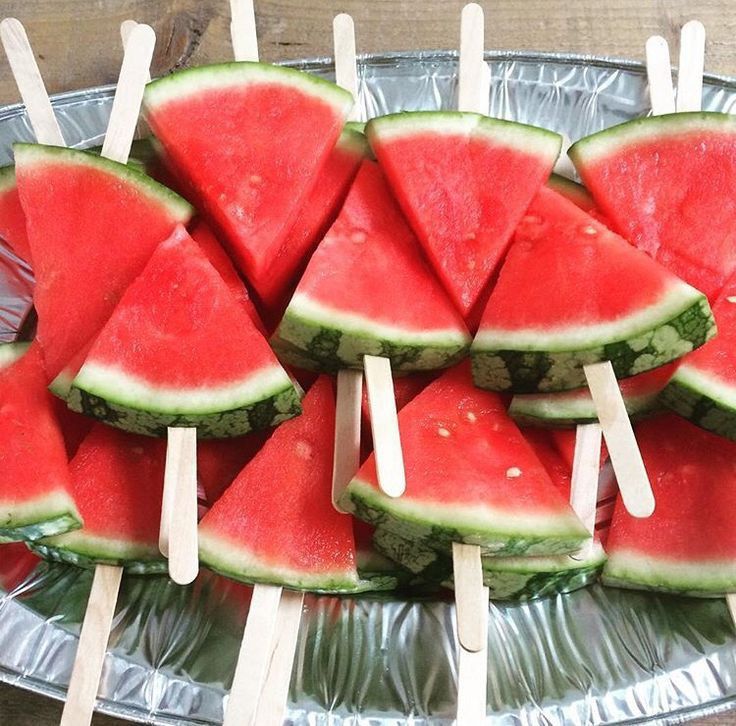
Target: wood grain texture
[{"x": 78, "y": 43}]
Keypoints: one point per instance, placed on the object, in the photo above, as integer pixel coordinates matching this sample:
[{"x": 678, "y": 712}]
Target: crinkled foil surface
[{"x": 598, "y": 656}]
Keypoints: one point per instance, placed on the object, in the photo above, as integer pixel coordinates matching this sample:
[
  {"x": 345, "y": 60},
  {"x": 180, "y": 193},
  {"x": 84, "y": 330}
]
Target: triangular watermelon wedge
[
  {"x": 180, "y": 350},
  {"x": 470, "y": 477},
  {"x": 665, "y": 184},
  {"x": 92, "y": 225},
  {"x": 117, "y": 478},
  {"x": 571, "y": 292},
  {"x": 352, "y": 298},
  {"x": 250, "y": 139},
  {"x": 275, "y": 523},
  {"x": 464, "y": 181},
  {"x": 35, "y": 486}
]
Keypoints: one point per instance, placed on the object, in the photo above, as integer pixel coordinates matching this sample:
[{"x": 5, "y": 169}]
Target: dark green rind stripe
[
  {"x": 313, "y": 346},
  {"x": 703, "y": 410},
  {"x": 523, "y": 371},
  {"x": 440, "y": 538},
  {"x": 270, "y": 411},
  {"x": 89, "y": 560},
  {"x": 383, "y": 574},
  {"x": 32, "y": 531}
]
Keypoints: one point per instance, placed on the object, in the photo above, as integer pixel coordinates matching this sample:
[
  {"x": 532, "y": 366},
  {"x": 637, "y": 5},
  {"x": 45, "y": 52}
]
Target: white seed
[
  {"x": 731, "y": 298},
  {"x": 513, "y": 473},
  {"x": 471, "y": 417},
  {"x": 358, "y": 238},
  {"x": 303, "y": 450},
  {"x": 256, "y": 179},
  {"x": 589, "y": 229},
  {"x": 443, "y": 432}
]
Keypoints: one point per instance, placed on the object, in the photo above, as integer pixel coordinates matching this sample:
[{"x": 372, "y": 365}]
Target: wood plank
[{"x": 78, "y": 42}]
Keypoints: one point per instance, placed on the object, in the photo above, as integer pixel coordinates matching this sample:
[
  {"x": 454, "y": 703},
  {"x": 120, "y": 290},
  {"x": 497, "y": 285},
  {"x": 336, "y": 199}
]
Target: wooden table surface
[{"x": 77, "y": 45}]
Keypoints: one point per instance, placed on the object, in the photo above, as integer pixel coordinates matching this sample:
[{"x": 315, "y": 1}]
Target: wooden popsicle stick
[
  {"x": 471, "y": 597},
  {"x": 126, "y": 28},
  {"x": 346, "y": 68},
  {"x": 346, "y": 456},
  {"x": 180, "y": 499},
  {"x": 85, "y": 679},
  {"x": 563, "y": 165},
  {"x": 254, "y": 657},
  {"x": 731, "y": 603},
  {"x": 30, "y": 84},
  {"x": 243, "y": 30},
  {"x": 275, "y": 693},
  {"x": 659, "y": 74},
  {"x": 134, "y": 74},
  {"x": 690, "y": 69},
  {"x": 384, "y": 426},
  {"x": 633, "y": 481},
  {"x": 471, "y": 76},
  {"x": 472, "y": 684},
  {"x": 584, "y": 484}
]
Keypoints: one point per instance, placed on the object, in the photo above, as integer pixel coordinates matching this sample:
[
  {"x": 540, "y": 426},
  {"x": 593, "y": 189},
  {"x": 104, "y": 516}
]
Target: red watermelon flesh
[
  {"x": 276, "y": 523},
  {"x": 689, "y": 544},
  {"x": 665, "y": 183},
  {"x": 12, "y": 219},
  {"x": 74, "y": 426},
  {"x": 355, "y": 288},
  {"x": 470, "y": 476},
  {"x": 219, "y": 461},
  {"x": 16, "y": 563},
  {"x": 179, "y": 349},
  {"x": 219, "y": 259},
  {"x": 464, "y": 182},
  {"x": 556, "y": 465},
  {"x": 117, "y": 478},
  {"x": 35, "y": 498},
  {"x": 92, "y": 225},
  {"x": 251, "y": 140},
  {"x": 314, "y": 218}
]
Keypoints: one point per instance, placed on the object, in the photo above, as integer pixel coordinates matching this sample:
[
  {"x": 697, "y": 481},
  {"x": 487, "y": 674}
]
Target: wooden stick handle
[
  {"x": 275, "y": 693},
  {"x": 243, "y": 30},
  {"x": 586, "y": 467},
  {"x": 126, "y": 105},
  {"x": 471, "y": 597},
  {"x": 346, "y": 456},
  {"x": 30, "y": 84},
  {"x": 346, "y": 67},
  {"x": 633, "y": 481},
  {"x": 126, "y": 28},
  {"x": 179, "y": 507},
  {"x": 85, "y": 680},
  {"x": 472, "y": 685},
  {"x": 471, "y": 77},
  {"x": 254, "y": 657},
  {"x": 659, "y": 75},
  {"x": 731, "y": 603},
  {"x": 690, "y": 70},
  {"x": 384, "y": 425}
]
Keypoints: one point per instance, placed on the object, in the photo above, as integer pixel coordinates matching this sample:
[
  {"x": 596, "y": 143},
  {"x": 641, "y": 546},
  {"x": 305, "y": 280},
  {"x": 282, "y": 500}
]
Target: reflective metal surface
[{"x": 595, "y": 656}]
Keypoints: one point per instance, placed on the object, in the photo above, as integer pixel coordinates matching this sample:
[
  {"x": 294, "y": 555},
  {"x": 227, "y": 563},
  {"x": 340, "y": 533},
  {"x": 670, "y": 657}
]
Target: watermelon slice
[
  {"x": 92, "y": 225},
  {"x": 251, "y": 140},
  {"x": 688, "y": 545},
  {"x": 35, "y": 498},
  {"x": 117, "y": 478},
  {"x": 571, "y": 292},
  {"x": 314, "y": 219},
  {"x": 456, "y": 176},
  {"x": 569, "y": 408},
  {"x": 12, "y": 219},
  {"x": 351, "y": 300},
  {"x": 703, "y": 389},
  {"x": 383, "y": 573},
  {"x": 276, "y": 523},
  {"x": 180, "y": 350},
  {"x": 470, "y": 477},
  {"x": 647, "y": 177}
]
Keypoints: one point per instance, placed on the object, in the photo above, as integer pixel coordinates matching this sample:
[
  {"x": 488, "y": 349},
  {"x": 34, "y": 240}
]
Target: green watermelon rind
[
  {"x": 523, "y": 137},
  {"x": 497, "y": 532},
  {"x": 659, "y": 335},
  {"x": 83, "y": 550},
  {"x": 315, "y": 337},
  {"x": 604, "y": 143},
  {"x": 240, "y": 564},
  {"x": 11, "y": 352},
  {"x": 643, "y": 571},
  {"x": 353, "y": 140},
  {"x": 557, "y": 410},
  {"x": 7, "y": 178},
  {"x": 706, "y": 400},
  {"x": 383, "y": 573},
  {"x": 194, "y": 81},
  {"x": 571, "y": 190},
  {"x": 180, "y": 210},
  {"x": 116, "y": 399},
  {"x": 46, "y": 515}
]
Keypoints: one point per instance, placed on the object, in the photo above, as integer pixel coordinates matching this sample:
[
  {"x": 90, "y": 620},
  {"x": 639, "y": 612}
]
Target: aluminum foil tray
[{"x": 598, "y": 656}]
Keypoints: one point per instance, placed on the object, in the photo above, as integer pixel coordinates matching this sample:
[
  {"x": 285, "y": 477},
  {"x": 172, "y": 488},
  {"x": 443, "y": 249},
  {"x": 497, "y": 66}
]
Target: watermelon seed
[
  {"x": 443, "y": 432},
  {"x": 255, "y": 180},
  {"x": 589, "y": 229},
  {"x": 731, "y": 298},
  {"x": 303, "y": 450},
  {"x": 513, "y": 473},
  {"x": 358, "y": 238},
  {"x": 471, "y": 417}
]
